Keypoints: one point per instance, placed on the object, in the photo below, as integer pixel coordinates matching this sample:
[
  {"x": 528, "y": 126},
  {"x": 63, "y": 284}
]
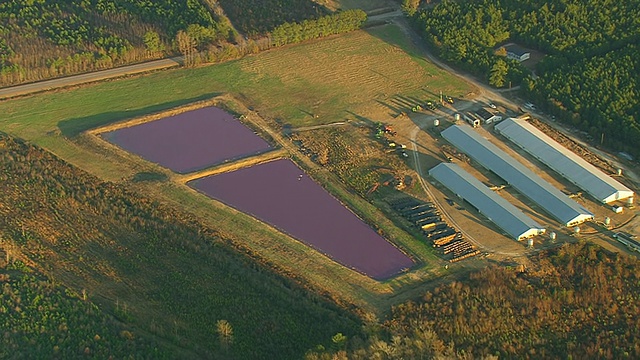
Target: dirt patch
[{"x": 351, "y": 153}]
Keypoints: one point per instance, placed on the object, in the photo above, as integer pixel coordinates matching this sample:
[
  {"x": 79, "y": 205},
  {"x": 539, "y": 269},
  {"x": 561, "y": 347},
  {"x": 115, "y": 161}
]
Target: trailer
[
  {"x": 447, "y": 230},
  {"x": 628, "y": 240},
  {"x": 402, "y": 202},
  {"x": 444, "y": 240},
  {"x": 419, "y": 215},
  {"x": 465, "y": 255},
  {"x": 457, "y": 247},
  {"x": 409, "y": 210},
  {"x": 436, "y": 219},
  {"x": 442, "y": 233}
]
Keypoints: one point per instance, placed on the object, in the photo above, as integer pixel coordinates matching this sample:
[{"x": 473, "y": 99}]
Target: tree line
[
  {"x": 590, "y": 49},
  {"x": 338, "y": 23},
  {"x": 254, "y": 18},
  {"x": 578, "y": 301},
  {"x": 287, "y": 33},
  {"x": 45, "y": 39},
  {"x": 42, "y": 39},
  {"x": 597, "y": 94}
]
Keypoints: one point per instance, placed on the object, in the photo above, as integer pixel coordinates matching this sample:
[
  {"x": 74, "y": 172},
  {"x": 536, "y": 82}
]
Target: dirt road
[{"x": 25, "y": 89}]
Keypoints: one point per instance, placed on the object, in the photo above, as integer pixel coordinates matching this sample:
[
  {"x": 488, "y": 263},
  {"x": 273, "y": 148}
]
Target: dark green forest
[
  {"x": 286, "y": 33},
  {"x": 257, "y": 17},
  {"x": 590, "y": 76},
  {"x": 578, "y": 301},
  {"x": 43, "y": 320},
  {"x": 155, "y": 268},
  {"x": 292, "y": 33}
]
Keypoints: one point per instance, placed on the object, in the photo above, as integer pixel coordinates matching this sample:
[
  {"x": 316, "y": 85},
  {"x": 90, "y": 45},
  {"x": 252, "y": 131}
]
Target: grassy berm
[{"x": 153, "y": 268}]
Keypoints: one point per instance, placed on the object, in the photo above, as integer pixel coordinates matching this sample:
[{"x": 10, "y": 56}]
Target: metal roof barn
[
  {"x": 501, "y": 212},
  {"x": 568, "y": 164},
  {"x": 557, "y": 204}
]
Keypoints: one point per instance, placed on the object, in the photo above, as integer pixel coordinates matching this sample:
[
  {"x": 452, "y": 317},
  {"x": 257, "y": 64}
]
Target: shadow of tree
[{"x": 73, "y": 127}]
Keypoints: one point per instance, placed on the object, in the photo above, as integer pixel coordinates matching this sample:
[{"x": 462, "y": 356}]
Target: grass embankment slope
[
  {"x": 157, "y": 269},
  {"x": 360, "y": 75}
]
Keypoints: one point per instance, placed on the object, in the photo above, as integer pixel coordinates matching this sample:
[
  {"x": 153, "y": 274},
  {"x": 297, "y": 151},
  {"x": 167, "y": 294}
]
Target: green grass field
[
  {"x": 317, "y": 82},
  {"x": 359, "y": 74},
  {"x": 354, "y": 72}
]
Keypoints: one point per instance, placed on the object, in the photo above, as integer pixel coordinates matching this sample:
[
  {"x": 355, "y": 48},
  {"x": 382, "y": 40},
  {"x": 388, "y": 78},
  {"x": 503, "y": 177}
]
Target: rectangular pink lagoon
[
  {"x": 282, "y": 195},
  {"x": 190, "y": 141}
]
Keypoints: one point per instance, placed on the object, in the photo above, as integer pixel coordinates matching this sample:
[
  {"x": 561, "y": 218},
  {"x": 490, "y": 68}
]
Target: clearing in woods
[{"x": 364, "y": 75}]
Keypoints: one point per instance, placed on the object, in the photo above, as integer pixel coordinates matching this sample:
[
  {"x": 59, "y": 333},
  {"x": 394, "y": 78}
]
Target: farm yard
[
  {"x": 434, "y": 150},
  {"x": 277, "y": 201},
  {"x": 190, "y": 141},
  {"x": 357, "y": 79},
  {"x": 281, "y": 194},
  {"x": 354, "y": 78}
]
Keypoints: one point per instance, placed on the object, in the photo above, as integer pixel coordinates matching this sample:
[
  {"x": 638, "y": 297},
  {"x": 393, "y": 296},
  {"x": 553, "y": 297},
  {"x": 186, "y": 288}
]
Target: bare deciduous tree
[
  {"x": 225, "y": 332},
  {"x": 187, "y": 47}
]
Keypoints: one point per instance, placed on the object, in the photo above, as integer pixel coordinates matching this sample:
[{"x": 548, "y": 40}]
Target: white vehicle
[
  {"x": 492, "y": 105},
  {"x": 529, "y": 106}
]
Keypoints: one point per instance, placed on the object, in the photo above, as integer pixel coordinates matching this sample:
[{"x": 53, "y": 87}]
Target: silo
[
  {"x": 576, "y": 230},
  {"x": 552, "y": 236},
  {"x": 530, "y": 242},
  {"x": 619, "y": 172},
  {"x": 607, "y": 221},
  {"x": 630, "y": 201},
  {"x": 456, "y": 116},
  {"x": 436, "y": 122}
]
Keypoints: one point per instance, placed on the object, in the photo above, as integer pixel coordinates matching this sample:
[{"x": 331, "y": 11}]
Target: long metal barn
[
  {"x": 571, "y": 166},
  {"x": 501, "y": 212},
  {"x": 525, "y": 181}
]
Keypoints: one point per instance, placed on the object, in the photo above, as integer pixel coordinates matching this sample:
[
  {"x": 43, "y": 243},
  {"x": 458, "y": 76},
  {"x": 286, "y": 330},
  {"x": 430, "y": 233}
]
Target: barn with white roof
[
  {"x": 572, "y": 167},
  {"x": 553, "y": 201},
  {"x": 501, "y": 212}
]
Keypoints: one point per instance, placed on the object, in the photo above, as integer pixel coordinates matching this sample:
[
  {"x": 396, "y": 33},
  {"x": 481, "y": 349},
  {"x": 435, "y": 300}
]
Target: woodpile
[{"x": 426, "y": 217}]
